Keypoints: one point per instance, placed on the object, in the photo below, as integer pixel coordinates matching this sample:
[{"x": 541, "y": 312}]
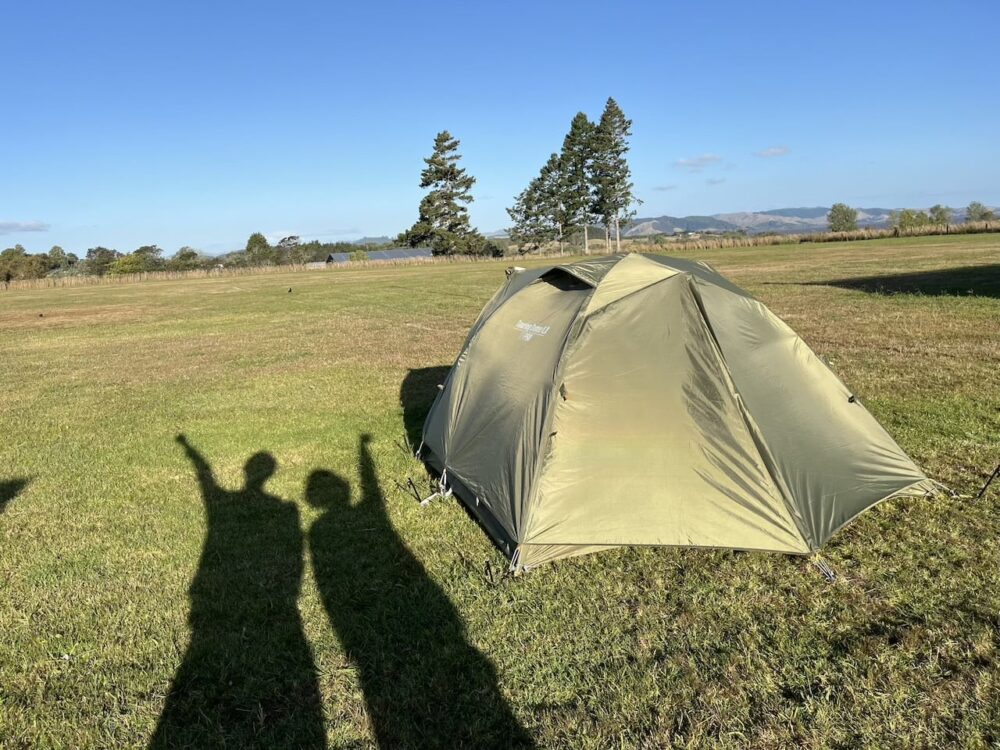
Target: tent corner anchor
[
  {"x": 443, "y": 491},
  {"x": 828, "y": 573}
]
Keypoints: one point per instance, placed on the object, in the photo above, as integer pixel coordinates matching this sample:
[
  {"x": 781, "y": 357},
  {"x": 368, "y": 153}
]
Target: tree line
[
  {"x": 587, "y": 182},
  {"x": 843, "y": 218},
  {"x": 290, "y": 251},
  {"x": 17, "y": 263}
]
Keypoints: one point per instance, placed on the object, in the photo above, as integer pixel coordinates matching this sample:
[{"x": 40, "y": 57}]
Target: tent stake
[
  {"x": 986, "y": 486},
  {"x": 413, "y": 488}
]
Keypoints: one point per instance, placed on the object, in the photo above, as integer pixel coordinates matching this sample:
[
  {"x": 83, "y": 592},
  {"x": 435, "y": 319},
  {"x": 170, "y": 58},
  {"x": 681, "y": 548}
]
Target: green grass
[{"x": 404, "y": 632}]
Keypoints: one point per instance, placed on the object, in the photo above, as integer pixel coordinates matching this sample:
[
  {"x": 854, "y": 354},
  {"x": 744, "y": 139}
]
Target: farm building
[{"x": 395, "y": 253}]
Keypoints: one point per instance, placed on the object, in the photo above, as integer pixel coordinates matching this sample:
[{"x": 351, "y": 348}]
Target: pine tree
[
  {"x": 552, "y": 197},
  {"x": 443, "y": 221},
  {"x": 540, "y": 213},
  {"x": 577, "y": 159},
  {"x": 529, "y": 230},
  {"x": 610, "y": 174}
]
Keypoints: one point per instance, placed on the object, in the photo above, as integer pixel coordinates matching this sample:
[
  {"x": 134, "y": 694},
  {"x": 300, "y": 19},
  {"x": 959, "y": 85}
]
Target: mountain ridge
[{"x": 792, "y": 220}]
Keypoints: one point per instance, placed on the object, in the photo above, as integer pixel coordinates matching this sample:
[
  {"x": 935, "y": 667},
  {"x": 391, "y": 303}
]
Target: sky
[{"x": 181, "y": 123}]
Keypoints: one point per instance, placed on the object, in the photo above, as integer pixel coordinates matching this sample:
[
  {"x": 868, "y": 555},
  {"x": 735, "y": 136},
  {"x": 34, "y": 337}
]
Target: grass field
[{"x": 329, "y": 607}]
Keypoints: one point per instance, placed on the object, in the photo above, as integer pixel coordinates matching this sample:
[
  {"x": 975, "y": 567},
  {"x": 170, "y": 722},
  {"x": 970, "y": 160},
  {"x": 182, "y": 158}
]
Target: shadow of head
[
  {"x": 8, "y": 490},
  {"x": 259, "y": 468},
  {"x": 416, "y": 394},
  {"x": 325, "y": 490}
]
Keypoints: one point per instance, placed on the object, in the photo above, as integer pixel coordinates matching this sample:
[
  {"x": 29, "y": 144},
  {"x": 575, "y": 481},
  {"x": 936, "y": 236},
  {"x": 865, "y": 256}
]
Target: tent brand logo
[{"x": 530, "y": 330}]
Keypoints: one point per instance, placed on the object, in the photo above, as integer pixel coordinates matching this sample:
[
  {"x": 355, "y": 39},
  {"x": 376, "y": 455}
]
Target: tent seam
[
  {"x": 752, "y": 428},
  {"x": 571, "y": 339},
  {"x": 624, "y": 297},
  {"x": 575, "y": 329}
]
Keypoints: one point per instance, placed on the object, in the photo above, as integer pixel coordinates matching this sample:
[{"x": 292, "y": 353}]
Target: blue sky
[{"x": 181, "y": 123}]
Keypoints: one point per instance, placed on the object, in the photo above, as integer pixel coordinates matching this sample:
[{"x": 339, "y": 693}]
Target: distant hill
[
  {"x": 802, "y": 220},
  {"x": 674, "y": 224},
  {"x": 816, "y": 212},
  {"x": 383, "y": 240},
  {"x": 775, "y": 220}
]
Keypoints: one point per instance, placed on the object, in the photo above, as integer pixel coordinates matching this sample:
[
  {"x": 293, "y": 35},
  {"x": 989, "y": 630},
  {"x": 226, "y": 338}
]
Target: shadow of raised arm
[
  {"x": 204, "y": 472},
  {"x": 425, "y": 682},
  {"x": 248, "y": 677}
]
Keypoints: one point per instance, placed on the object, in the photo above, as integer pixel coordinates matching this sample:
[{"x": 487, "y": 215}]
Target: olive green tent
[{"x": 646, "y": 400}]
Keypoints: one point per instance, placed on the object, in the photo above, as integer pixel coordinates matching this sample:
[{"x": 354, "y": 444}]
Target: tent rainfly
[{"x": 646, "y": 400}]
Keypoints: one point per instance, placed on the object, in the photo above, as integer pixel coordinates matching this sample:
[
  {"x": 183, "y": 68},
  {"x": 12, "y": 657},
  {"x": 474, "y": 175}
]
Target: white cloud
[
  {"x": 13, "y": 227},
  {"x": 698, "y": 163},
  {"x": 715, "y": 180},
  {"x": 664, "y": 188},
  {"x": 772, "y": 152}
]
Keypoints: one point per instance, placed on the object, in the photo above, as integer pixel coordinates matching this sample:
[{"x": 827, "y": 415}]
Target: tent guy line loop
[
  {"x": 941, "y": 487},
  {"x": 444, "y": 491}
]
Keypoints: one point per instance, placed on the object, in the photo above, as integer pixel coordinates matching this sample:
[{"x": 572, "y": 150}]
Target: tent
[{"x": 646, "y": 400}]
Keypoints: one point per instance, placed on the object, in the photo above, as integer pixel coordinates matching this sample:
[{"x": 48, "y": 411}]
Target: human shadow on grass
[
  {"x": 979, "y": 281},
  {"x": 416, "y": 394},
  {"x": 425, "y": 685},
  {"x": 9, "y": 489},
  {"x": 248, "y": 678}
]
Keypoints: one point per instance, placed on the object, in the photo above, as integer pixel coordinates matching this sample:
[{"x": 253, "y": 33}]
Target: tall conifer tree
[
  {"x": 530, "y": 229},
  {"x": 610, "y": 174},
  {"x": 443, "y": 220},
  {"x": 552, "y": 197},
  {"x": 539, "y": 212},
  {"x": 577, "y": 159}
]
